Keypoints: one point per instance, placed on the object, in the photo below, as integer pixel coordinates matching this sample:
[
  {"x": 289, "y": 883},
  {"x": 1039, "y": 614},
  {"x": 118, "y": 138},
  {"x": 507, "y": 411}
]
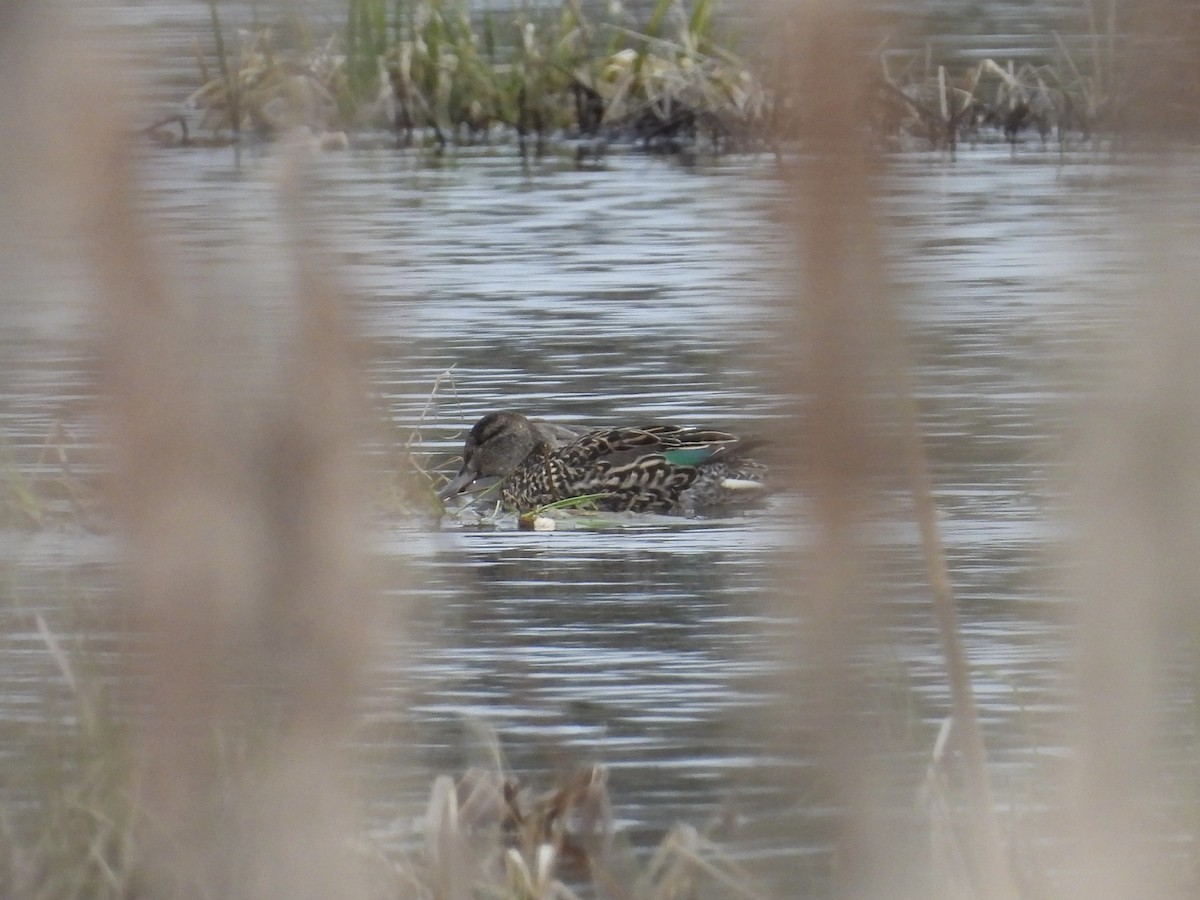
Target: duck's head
[{"x": 495, "y": 446}]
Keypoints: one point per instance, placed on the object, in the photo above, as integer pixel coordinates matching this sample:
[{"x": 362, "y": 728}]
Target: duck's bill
[{"x": 457, "y": 484}]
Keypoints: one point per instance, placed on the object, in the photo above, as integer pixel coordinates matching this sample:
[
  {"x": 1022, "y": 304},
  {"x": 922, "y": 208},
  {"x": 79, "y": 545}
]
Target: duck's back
[{"x": 654, "y": 468}]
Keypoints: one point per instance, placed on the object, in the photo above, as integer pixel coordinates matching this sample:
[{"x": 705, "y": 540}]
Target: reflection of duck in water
[{"x": 653, "y": 468}]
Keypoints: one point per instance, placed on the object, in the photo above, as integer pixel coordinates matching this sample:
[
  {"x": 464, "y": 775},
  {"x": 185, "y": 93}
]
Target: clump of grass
[
  {"x": 408, "y": 486},
  {"x": 271, "y": 91},
  {"x": 20, "y": 506},
  {"x": 436, "y": 74},
  {"x": 557, "y": 71},
  {"x": 428, "y": 69},
  {"x": 489, "y": 835},
  {"x": 1073, "y": 94},
  {"x": 73, "y": 836},
  {"x": 1006, "y": 100},
  {"x": 58, "y": 496},
  {"x": 486, "y": 834}
]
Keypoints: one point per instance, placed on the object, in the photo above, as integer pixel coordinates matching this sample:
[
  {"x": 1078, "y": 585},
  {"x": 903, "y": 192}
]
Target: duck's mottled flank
[{"x": 652, "y": 468}]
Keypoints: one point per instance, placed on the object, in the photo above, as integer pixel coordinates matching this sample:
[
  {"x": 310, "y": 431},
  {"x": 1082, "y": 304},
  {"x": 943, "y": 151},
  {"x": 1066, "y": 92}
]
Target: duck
[{"x": 655, "y": 468}]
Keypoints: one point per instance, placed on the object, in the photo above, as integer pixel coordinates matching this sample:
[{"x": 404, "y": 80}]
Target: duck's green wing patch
[{"x": 689, "y": 456}]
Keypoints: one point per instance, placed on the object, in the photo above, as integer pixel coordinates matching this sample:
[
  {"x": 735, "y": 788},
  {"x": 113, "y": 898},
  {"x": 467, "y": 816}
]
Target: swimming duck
[{"x": 651, "y": 468}]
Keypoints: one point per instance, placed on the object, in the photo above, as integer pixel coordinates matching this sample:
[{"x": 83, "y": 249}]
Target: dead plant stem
[{"x": 991, "y": 867}]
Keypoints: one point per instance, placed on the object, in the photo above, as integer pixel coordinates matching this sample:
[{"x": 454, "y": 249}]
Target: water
[{"x": 641, "y": 290}]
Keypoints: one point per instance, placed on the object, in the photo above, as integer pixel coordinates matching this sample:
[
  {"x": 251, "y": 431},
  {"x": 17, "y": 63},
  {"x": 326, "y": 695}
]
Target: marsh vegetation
[{"x": 675, "y": 79}]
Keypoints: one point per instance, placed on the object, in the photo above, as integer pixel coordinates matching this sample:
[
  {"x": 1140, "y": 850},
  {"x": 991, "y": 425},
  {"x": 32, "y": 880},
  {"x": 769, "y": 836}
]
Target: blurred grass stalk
[
  {"x": 237, "y": 489},
  {"x": 233, "y": 420},
  {"x": 853, "y": 357},
  {"x": 1138, "y": 492},
  {"x": 1138, "y": 495},
  {"x": 230, "y": 76}
]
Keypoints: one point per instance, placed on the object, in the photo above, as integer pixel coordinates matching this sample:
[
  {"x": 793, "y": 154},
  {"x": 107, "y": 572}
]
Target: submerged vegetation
[{"x": 435, "y": 74}]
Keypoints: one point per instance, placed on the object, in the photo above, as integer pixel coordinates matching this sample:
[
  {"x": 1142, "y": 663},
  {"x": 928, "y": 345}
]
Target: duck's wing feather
[{"x": 621, "y": 446}]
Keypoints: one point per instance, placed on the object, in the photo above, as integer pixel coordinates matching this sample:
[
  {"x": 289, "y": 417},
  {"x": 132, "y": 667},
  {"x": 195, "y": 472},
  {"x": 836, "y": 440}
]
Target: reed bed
[
  {"x": 436, "y": 75},
  {"x": 990, "y": 100}
]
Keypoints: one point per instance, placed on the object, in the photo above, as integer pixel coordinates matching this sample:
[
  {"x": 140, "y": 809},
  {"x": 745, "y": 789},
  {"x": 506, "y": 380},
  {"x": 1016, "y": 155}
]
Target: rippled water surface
[{"x": 639, "y": 290}]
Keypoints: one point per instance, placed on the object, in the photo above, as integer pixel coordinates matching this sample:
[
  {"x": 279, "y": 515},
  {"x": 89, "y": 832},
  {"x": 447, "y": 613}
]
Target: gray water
[
  {"x": 634, "y": 292},
  {"x": 642, "y": 290}
]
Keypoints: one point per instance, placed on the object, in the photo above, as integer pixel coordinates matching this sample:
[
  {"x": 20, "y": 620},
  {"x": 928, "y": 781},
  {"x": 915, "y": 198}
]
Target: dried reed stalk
[
  {"x": 1136, "y": 468},
  {"x": 829, "y": 209},
  {"x": 1158, "y": 76},
  {"x": 236, "y": 488},
  {"x": 854, "y": 350},
  {"x": 1138, "y": 493},
  {"x": 986, "y": 851}
]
